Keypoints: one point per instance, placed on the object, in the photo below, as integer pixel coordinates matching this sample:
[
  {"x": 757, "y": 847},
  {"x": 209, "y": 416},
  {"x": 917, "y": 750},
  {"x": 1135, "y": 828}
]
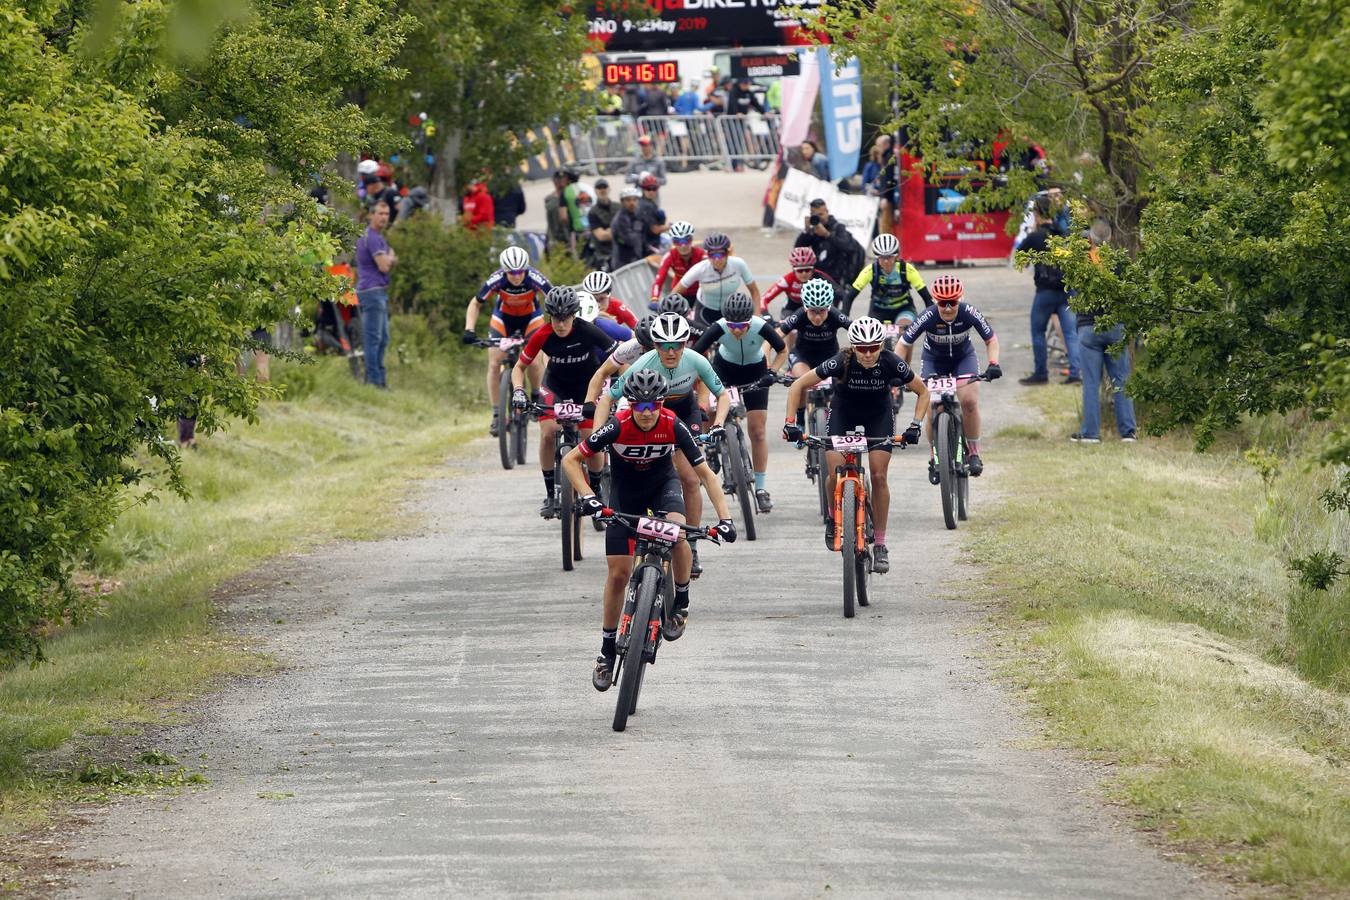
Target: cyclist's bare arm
[
  {"x": 602, "y": 408},
  {"x": 574, "y": 467},
  {"x": 921, "y": 400},
  {"x": 991, "y": 346},
  {"x": 471, "y": 314},
  {"x": 798, "y": 390},
  {"x": 779, "y": 358},
  {"x": 723, "y": 410},
  {"x": 713, "y": 485},
  {"x": 518, "y": 374},
  {"x": 753, "y": 288},
  {"x": 906, "y": 350},
  {"x": 597, "y": 384}
]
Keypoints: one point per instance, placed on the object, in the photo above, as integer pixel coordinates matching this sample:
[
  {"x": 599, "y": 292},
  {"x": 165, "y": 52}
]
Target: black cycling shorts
[
  {"x": 689, "y": 412},
  {"x": 892, "y": 313},
  {"x": 734, "y": 375},
  {"x": 658, "y": 494},
  {"x": 875, "y": 423},
  {"x": 703, "y": 316},
  {"x": 811, "y": 354},
  {"x": 960, "y": 364}
]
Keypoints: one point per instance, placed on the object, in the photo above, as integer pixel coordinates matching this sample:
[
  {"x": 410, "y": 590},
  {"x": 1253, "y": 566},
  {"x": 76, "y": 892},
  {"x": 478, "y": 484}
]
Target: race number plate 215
[{"x": 946, "y": 383}]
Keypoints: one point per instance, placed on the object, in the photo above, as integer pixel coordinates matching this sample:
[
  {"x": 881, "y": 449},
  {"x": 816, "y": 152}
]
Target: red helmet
[
  {"x": 947, "y": 287},
  {"x": 801, "y": 257},
  {"x": 649, "y": 183}
]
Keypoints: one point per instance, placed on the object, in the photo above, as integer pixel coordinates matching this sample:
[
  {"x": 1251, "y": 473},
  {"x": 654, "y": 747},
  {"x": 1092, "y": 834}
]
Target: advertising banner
[
  {"x": 765, "y": 65},
  {"x": 856, "y": 211},
  {"x": 688, "y": 24},
  {"x": 841, "y": 107}
]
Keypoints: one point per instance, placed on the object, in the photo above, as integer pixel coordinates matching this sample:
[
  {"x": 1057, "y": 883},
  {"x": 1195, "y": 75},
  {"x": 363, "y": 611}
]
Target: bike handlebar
[
  {"x": 692, "y": 532},
  {"x": 810, "y": 440}
]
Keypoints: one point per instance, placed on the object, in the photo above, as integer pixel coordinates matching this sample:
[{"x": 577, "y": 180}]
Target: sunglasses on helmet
[
  {"x": 867, "y": 348},
  {"x": 646, "y": 406}
]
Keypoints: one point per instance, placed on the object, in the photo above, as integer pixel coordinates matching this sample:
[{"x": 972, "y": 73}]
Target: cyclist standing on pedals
[
  {"x": 717, "y": 277},
  {"x": 641, "y": 442},
  {"x": 891, "y": 279},
  {"x": 516, "y": 290},
  {"x": 571, "y": 344},
  {"x": 677, "y": 261},
  {"x": 803, "y": 263},
  {"x": 813, "y": 331},
  {"x": 683, "y": 373},
  {"x": 949, "y": 351},
  {"x": 862, "y": 398},
  {"x": 740, "y": 337}
]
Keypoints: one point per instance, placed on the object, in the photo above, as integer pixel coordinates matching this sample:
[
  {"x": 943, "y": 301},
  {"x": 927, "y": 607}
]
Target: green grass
[
  {"x": 1157, "y": 625},
  {"x": 328, "y": 461}
]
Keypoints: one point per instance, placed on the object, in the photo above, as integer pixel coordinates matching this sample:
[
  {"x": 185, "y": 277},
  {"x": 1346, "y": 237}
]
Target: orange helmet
[{"x": 947, "y": 287}]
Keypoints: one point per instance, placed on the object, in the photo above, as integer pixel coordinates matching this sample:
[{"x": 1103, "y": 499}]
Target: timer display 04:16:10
[{"x": 650, "y": 72}]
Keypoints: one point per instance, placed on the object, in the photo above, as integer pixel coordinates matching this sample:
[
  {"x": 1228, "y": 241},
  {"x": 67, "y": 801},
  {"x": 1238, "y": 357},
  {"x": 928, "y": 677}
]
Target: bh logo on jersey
[{"x": 640, "y": 452}]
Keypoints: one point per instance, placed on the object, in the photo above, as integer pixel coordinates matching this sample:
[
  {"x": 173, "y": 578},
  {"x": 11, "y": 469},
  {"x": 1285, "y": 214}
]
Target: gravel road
[{"x": 435, "y": 732}]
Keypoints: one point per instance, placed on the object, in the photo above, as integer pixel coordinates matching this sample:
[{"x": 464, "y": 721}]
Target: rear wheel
[
  {"x": 818, "y": 426},
  {"x": 962, "y": 495},
  {"x": 630, "y": 679},
  {"x": 504, "y": 420},
  {"x": 848, "y": 543},
  {"x": 567, "y": 516},
  {"x": 521, "y": 438},
  {"x": 946, "y": 448},
  {"x": 733, "y": 459}
]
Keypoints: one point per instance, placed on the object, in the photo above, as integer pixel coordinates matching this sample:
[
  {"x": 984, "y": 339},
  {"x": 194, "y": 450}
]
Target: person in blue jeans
[
  {"x": 1094, "y": 347},
  {"x": 1051, "y": 300},
  {"x": 374, "y": 259}
]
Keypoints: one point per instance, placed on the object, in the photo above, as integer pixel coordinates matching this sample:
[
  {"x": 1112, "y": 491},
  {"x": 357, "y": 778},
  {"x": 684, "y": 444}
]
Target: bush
[{"x": 441, "y": 266}]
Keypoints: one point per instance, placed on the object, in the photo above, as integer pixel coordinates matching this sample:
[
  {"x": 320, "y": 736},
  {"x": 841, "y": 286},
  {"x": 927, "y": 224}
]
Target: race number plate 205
[
  {"x": 568, "y": 412},
  {"x": 844, "y": 442},
  {"x": 656, "y": 528},
  {"x": 946, "y": 383}
]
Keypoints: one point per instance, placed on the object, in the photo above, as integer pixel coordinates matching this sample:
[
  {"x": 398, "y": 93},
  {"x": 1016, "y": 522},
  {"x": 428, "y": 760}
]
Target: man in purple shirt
[{"x": 374, "y": 259}]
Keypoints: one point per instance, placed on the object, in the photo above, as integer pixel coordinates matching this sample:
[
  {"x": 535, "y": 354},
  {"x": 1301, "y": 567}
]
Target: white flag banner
[{"x": 858, "y": 212}]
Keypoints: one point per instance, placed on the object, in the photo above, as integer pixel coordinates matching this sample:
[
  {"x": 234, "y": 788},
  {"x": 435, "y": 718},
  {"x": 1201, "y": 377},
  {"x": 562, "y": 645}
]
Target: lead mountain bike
[
  {"x": 512, "y": 426},
  {"x": 569, "y": 417},
  {"x": 649, "y": 603},
  {"x": 949, "y": 441}
]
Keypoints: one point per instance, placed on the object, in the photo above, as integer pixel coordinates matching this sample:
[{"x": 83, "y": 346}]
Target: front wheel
[
  {"x": 567, "y": 515},
  {"x": 946, "y": 448},
  {"x": 635, "y": 654},
  {"x": 846, "y": 528},
  {"x": 734, "y": 460},
  {"x": 521, "y": 436},
  {"x": 505, "y": 416}
]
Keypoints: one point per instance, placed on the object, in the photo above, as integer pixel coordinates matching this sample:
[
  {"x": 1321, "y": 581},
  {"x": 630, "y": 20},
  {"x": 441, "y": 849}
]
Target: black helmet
[
  {"x": 717, "y": 241},
  {"x": 561, "y": 302},
  {"x": 738, "y": 307},
  {"x": 674, "y": 303},
  {"x": 644, "y": 385},
  {"x": 643, "y": 332}
]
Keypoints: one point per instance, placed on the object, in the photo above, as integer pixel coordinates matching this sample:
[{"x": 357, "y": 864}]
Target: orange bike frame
[{"x": 854, "y": 474}]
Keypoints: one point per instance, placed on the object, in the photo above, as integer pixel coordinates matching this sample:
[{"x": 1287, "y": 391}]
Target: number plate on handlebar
[
  {"x": 947, "y": 383},
  {"x": 658, "y": 529},
  {"x": 734, "y": 394},
  {"x": 507, "y": 343},
  {"x": 891, "y": 329},
  {"x": 846, "y": 442},
  {"x": 568, "y": 412},
  {"x": 824, "y": 383}
]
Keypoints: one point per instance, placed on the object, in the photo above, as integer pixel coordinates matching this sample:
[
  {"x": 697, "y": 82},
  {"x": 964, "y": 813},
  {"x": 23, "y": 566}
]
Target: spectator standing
[
  {"x": 815, "y": 162},
  {"x": 559, "y": 223},
  {"x": 741, "y": 101},
  {"x": 879, "y": 181},
  {"x": 627, "y": 231},
  {"x": 1051, "y": 300},
  {"x": 687, "y": 104},
  {"x": 374, "y": 259},
  {"x": 773, "y": 97},
  {"x": 837, "y": 253},
  {"x": 418, "y": 198},
  {"x": 478, "y": 208},
  {"x": 600, "y": 248},
  {"x": 509, "y": 205},
  {"x": 650, "y": 212},
  {"x": 1095, "y": 355},
  {"x": 646, "y": 161},
  {"x": 378, "y": 190}
]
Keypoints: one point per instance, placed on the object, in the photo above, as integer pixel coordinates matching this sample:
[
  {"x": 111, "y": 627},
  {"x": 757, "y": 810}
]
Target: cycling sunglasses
[
  {"x": 717, "y": 256},
  {"x": 738, "y": 325},
  {"x": 515, "y": 271},
  {"x": 800, "y": 269},
  {"x": 683, "y": 242},
  {"x": 647, "y": 406},
  {"x": 947, "y": 303},
  {"x": 670, "y": 346},
  {"x": 867, "y": 348}
]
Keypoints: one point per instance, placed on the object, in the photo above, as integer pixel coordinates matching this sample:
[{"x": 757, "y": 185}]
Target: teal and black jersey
[{"x": 744, "y": 350}]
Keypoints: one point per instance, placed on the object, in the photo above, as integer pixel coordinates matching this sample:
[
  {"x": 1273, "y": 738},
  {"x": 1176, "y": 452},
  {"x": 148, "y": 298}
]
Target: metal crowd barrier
[{"x": 682, "y": 141}]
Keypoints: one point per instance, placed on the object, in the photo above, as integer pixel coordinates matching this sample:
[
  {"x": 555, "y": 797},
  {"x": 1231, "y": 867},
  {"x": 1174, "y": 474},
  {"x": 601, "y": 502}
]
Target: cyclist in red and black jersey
[
  {"x": 516, "y": 291},
  {"x": 600, "y": 285},
  {"x": 803, "y": 263},
  {"x": 641, "y": 442},
  {"x": 678, "y": 260},
  {"x": 574, "y": 348}
]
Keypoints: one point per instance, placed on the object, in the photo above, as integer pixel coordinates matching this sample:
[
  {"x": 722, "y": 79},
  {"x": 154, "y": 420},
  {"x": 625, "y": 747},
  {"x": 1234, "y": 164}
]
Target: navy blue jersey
[{"x": 948, "y": 339}]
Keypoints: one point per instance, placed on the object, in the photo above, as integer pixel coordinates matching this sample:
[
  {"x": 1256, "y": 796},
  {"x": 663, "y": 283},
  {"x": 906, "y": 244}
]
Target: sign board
[
  {"x": 857, "y": 211},
  {"x": 765, "y": 65},
  {"x": 685, "y": 24},
  {"x": 658, "y": 71}
]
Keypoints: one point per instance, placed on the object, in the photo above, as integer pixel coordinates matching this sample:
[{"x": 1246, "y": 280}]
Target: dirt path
[{"x": 436, "y": 733}]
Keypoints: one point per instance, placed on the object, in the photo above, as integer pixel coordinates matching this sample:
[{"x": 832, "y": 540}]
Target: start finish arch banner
[
  {"x": 857, "y": 211},
  {"x": 689, "y": 24}
]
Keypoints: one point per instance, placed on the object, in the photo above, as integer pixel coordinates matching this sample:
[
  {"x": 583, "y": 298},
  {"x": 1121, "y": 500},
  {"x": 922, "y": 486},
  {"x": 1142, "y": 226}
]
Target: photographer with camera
[{"x": 837, "y": 253}]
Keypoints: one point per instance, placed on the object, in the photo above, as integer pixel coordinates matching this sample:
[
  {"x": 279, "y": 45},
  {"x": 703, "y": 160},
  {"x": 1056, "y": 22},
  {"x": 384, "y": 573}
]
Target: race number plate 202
[
  {"x": 947, "y": 383},
  {"x": 843, "y": 442},
  {"x": 661, "y": 531},
  {"x": 567, "y": 412}
]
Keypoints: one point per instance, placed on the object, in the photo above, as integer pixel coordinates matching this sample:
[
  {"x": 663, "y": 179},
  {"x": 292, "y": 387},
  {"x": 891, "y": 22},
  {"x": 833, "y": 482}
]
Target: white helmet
[
  {"x": 866, "y": 330},
  {"x": 681, "y": 230},
  {"x": 669, "y": 328},
  {"x": 368, "y": 167},
  {"x": 514, "y": 258},
  {"x": 597, "y": 283},
  {"x": 630, "y": 193},
  {"x": 589, "y": 307},
  {"x": 885, "y": 244}
]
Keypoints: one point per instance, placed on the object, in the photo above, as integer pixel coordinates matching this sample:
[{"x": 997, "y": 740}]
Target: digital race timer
[{"x": 645, "y": 72}]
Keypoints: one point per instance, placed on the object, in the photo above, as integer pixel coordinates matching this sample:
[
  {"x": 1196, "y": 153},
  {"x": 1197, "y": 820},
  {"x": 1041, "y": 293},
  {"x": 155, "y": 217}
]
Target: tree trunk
[{"x": 444, "y": 186}]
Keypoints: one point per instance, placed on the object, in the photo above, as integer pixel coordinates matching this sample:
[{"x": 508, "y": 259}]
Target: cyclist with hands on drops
[
  {"x": 518, "y": 289},
  {"x": 641, "y": 441},
  {"x": 683, "y": 373},
  {"x": 571, "y": 344},
  {"x": 813, "y": 331},
  {"x": 862, "y": 399},
  {"x": 740, "y": 337},
  {"x": 949, "y": 351}
]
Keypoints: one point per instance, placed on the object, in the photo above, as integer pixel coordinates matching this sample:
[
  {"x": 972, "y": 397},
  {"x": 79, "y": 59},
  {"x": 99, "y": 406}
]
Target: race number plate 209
[
  {"x": 659, "y": 530},
  {"x": 844, "y": 442}
]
